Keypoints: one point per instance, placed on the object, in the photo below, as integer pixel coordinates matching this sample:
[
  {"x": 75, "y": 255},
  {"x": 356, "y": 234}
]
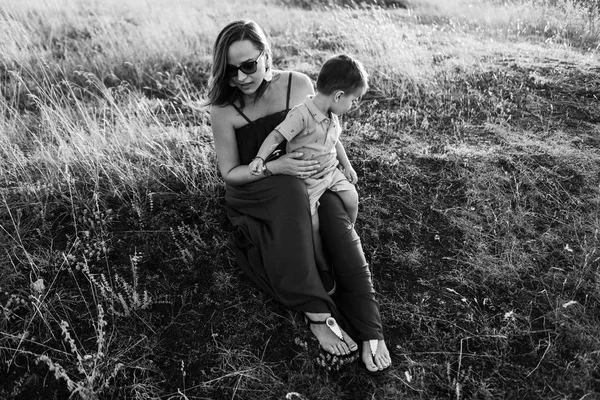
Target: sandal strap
[
  {"x": 373, "y": 344},
  {"x": 331, "y": 324},
  {"x": 313, "y": 322}
]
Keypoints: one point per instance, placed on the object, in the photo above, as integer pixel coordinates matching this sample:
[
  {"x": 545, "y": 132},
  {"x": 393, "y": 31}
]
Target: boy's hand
[
  {"x": 351, "y": 175},
  {"x": 256, "y": 166}
]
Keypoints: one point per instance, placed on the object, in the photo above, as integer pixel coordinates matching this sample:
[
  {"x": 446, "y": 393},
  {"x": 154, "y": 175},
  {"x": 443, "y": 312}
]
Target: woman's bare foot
[
  {"x": 381, "y": 360},
  {"x": 328, "y": 339}
]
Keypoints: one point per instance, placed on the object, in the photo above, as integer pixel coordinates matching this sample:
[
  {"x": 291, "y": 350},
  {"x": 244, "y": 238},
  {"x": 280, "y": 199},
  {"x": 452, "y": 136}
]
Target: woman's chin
[{"x": 248, "y": 88}]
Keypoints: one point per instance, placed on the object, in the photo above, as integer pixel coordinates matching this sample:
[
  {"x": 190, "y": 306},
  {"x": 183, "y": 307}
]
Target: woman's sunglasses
[{"x": 248, "y": 68}]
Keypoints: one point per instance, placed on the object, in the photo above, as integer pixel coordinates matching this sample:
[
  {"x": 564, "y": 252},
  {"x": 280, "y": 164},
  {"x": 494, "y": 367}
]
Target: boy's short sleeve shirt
[{"x": 308, "y": 130}]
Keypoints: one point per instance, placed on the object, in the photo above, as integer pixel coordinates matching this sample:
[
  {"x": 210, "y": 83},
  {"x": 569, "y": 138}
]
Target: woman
[{"x": 270, "y": 213}]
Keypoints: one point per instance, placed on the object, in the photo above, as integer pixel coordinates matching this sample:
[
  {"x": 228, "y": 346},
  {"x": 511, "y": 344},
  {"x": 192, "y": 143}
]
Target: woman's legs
[
  {"x": 355, "y": 296},
  {"x": 318, "y": 243},
  {"x": 272, "y": 241},
  {"x": 325, "y": 271},
  {"x": 328, "y": 340},
  {"x": 380, "y": 361}
]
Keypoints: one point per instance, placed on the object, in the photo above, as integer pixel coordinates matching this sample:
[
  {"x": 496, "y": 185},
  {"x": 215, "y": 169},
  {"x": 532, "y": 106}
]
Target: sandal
[
  {"x": 373, "y": 345},
  {"x": 326, "y": 359},
  {"x": 331, "y": 324}
]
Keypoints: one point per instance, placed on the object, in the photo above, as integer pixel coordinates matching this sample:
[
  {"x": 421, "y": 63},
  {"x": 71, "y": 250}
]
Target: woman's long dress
[{"x": 273, "y": 245}]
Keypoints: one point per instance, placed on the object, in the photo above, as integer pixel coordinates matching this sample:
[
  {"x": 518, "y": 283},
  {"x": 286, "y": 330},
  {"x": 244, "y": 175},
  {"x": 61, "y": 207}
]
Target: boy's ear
[{"x": 338, "y": 95}]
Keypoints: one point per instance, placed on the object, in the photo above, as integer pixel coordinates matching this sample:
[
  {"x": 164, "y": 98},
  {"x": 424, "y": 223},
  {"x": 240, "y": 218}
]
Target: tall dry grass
[{"x": 105, "y": 148}]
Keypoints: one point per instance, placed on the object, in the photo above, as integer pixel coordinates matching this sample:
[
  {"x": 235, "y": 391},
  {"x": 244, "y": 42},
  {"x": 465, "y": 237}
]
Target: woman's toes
[
  {"x": 382, "y": 359},
  {"x": 343, "y": 348},
  {"x": 388, "y": 361},
  {"x": 331, "y": 349},
  {"x": 349, "y": 344},
  {"x": 371, "y": 366},
  {"x": 367, "y": 358},
  {"x": 381, "y": 362},
  {"x": 352, "y": 346}
]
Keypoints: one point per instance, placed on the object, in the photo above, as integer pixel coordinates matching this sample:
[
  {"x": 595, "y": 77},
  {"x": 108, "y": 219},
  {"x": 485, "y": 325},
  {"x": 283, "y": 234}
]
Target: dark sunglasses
[{"x": 248, "y": 68}]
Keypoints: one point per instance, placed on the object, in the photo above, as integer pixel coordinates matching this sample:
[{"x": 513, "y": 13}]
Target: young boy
[{"x": 313, "y": 128}]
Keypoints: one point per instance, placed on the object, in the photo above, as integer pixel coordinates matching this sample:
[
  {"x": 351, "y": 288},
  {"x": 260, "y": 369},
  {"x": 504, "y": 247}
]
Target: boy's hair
[{"x": 342, "y": 72}]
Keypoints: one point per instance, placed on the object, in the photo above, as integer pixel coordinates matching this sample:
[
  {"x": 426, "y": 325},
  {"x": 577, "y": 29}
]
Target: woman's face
[{"x": 244, "y": 54}]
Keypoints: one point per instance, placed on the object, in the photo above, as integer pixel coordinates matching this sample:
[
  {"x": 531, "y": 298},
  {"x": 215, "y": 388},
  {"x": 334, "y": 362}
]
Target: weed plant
[{"x": 477, "y": 149}]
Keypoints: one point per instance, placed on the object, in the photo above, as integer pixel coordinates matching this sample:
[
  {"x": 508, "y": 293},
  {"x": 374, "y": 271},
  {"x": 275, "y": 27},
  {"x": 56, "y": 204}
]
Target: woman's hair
[
  {"x": 342, "y": 72},
  {"x": 219, "y": 90}
]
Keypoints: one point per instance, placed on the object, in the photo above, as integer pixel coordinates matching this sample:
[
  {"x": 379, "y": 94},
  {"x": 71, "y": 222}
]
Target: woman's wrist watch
[{"x": 265, "y": 171}]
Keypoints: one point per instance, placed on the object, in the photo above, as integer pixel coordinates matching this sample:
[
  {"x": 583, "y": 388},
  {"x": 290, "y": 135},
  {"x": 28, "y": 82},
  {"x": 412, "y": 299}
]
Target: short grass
[{"x": 477, "y": 149}]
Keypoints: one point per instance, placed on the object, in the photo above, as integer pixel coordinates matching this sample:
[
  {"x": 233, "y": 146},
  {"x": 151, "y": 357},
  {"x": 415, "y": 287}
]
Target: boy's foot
[
  {"x": 381, "y": 358},
  {"x": 325, "y": 329}
]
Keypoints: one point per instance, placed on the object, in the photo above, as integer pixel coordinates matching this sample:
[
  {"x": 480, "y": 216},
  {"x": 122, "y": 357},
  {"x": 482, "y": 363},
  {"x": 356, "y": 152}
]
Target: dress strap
[
  {"x": 289, "y": 91},
  {"x": 241, "y": 112},
  {"x": 287, "y": 101}
]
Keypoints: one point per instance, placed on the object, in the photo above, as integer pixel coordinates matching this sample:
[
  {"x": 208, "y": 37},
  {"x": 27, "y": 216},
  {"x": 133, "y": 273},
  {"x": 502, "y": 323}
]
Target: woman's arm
[
  {"x": 227, "y": 150},
  {"x": 270, "y": 143},
  {"x": 228, "y": 157},
  {"x": 266, "y": 148}
]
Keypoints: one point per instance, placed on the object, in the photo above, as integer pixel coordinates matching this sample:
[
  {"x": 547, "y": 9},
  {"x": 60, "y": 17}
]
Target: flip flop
[
  {"x": 329, "y": 360},
  {"x": 373, "y": 345},
  {"x": 331, "y": 324}
]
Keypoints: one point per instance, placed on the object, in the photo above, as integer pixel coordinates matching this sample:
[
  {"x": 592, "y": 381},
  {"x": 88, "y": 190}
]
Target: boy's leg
[
  {"x": 347, "y": 193},
  {"x": 350, "y": 199}
]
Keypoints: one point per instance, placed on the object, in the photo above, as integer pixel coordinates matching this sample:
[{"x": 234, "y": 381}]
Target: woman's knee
[
  {"x": 290, "y": 187},
  {"x": 333, "y": 212}
]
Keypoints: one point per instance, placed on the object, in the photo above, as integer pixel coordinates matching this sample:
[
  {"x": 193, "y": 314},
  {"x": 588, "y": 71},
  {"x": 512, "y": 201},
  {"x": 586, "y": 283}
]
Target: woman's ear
[
  {"x": 268, "y": 74},
  {"x": 338, "y": 95},
  {"x": 268, "y": 67}
]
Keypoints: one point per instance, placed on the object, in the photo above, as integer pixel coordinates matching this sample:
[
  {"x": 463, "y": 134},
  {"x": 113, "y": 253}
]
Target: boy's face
[{"x": 347, "y": 101}]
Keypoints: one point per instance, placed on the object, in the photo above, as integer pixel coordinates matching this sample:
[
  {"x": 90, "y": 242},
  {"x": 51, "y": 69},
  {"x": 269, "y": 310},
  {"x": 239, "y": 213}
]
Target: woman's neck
[{"x": 251, "y": 99}]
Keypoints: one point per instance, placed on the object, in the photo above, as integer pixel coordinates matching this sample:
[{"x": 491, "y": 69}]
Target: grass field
[{"x": 478, "y": 154}]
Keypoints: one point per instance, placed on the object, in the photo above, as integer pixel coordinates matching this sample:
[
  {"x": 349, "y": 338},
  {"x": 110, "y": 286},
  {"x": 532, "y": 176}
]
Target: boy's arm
[
  {"x": 341, "y": 155},
  {"x": 345, "y": 163},
  {"x": 291, "y": 126},
  {"x": 267, "y": 147},
  {"x": 271, "y": 142}
]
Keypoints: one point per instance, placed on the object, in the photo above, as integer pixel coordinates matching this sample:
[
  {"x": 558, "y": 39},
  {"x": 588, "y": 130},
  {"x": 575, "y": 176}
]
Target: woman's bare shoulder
[
  {"x": 221, "y": 115},
  {"x": 302, "y": 86},
  {"x": 221, "y": 111},
  {"x": 300, "y": 80}
]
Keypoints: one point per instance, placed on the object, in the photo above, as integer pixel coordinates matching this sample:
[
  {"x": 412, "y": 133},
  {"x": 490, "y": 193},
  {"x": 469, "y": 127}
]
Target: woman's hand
[
  {"x": 256, "y": 166},
  {"x": 293, "y": 164}
]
